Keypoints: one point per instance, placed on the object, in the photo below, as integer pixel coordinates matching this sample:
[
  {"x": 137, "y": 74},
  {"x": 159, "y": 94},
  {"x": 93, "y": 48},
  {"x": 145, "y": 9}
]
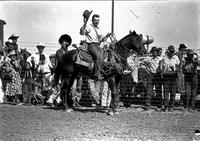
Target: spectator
[
  {"x": 13, "y": 87},
  {"x": 65, "y": 41},
  {"x": 28, "y": 84},
  {"x": 1, "y": 84},
  {"x": 191, "y": 79},
  {"x": 15, "y": 47},
  {"x": 40, "y": 58},
  {"x": 152, "y": 66},
  {"x": 180, "y": 80},
  {"x": 169, "y": 66},
  {"x": 158, "y": 80}
]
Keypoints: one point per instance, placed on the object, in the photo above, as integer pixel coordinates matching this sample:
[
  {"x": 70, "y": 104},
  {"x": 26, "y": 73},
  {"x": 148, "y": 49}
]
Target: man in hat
[
  {"x": 37, "y": 58},
  {"x": 181, "y": 53},
  {"x": 93, "y": 39},
  {"x": 191, "y": 80},
  {"x": 14, "y": 38},
  {"x": 64, "y": 41},
  {"x": 169, "y": 68},
  {"x": 153, "y": 62}
]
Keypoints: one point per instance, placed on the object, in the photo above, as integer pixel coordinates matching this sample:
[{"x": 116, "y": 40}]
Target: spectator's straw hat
[
  {"x": 13, "y": 36},
  {"x": 40, "y": 45}
]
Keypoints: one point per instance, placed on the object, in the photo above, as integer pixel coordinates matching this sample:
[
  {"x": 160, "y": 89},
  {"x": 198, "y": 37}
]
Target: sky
[{"x": 168, "y": 22}]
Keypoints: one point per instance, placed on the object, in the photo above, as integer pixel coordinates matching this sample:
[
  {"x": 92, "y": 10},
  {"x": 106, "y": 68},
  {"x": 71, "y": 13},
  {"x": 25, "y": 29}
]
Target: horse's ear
[{"x": 134, "y": 32}]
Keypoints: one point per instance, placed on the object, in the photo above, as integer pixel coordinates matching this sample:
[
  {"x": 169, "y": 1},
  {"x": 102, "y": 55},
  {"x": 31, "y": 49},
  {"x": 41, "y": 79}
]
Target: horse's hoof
[
  {"x": 69, "y": 110},
  {"x": 116, "y": 112},
  {"x": 110, "y": 113}
]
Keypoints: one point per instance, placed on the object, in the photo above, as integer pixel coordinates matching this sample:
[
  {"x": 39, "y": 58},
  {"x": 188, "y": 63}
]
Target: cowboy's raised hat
[
  {"x": 65, "y": 37},
  {"x": 86, "y": 14},
  {"x": 12, "y": 53},
  {"x": 40, "y": 45},
  {"x": 13, "y": 36}
]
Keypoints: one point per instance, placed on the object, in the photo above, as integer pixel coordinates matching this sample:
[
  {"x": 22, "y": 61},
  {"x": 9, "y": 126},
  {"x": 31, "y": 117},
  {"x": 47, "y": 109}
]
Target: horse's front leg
[
  {"x": 117, "y": 98},
  {"x": 113, "y": 88}
]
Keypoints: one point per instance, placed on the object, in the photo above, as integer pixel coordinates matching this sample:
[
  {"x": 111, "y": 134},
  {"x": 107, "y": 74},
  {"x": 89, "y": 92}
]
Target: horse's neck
[{"x": 121, "y": 50}]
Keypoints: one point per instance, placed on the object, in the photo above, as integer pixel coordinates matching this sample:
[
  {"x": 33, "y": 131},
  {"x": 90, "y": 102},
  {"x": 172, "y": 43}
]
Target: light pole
[{"x": 112, "y": 23}]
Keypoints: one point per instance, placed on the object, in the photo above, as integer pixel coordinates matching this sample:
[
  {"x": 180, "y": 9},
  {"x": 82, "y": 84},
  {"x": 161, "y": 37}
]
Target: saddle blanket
[{"x": 84, "y": 63}]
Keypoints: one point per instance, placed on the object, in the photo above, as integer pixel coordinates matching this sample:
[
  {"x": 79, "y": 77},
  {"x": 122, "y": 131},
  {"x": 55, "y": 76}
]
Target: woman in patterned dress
[{"x": 14, "y": 87}]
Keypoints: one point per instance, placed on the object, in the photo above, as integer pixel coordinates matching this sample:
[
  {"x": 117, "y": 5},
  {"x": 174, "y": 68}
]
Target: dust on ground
[{"x": 39, "y": 123}]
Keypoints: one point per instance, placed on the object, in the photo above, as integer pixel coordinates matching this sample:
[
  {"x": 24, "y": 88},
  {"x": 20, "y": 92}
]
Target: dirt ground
[{"x": 39, "y": 123}]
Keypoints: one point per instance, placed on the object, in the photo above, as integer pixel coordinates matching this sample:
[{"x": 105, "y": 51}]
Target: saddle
[
  {"x": 84, "y": 58},
  {"x": 109, "y": 58}
]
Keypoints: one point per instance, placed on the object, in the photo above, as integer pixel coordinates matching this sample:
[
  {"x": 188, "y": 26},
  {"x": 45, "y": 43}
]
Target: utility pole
[{"x": 112, "y": 24}]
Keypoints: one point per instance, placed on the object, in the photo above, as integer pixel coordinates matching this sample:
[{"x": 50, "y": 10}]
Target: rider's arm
[
  {"x": 83, "y": 30},
  {"x": 103, "y": 38}
]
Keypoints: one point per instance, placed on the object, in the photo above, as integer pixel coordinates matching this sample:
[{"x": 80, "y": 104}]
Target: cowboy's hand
[
  {"x": 85, "y": 20},
  {"x": 108, "y": 34}
]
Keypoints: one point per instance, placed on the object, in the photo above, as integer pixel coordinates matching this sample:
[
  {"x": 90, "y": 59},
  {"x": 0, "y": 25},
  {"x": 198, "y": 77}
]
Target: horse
[{"x": 68, "y": 67}]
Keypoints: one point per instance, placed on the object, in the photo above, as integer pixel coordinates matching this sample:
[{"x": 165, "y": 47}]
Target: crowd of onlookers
[
  {"x": 167, "y": 74},
  {"x": 24, "y": 76}
]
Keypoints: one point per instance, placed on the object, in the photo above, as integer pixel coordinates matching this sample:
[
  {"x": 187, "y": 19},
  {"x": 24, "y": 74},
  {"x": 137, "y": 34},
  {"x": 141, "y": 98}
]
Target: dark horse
[{"x": 68, "y": 69}]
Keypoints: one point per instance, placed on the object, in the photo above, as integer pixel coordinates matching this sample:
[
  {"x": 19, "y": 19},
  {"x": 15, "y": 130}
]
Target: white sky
[{"x": 169, "y": 22}]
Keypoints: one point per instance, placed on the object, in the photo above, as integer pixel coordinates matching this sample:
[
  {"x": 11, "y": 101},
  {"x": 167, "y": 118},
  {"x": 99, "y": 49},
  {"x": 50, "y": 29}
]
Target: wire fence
[
  {"x": 31, "y": 47},
  {"x": 130, "y": 93}
]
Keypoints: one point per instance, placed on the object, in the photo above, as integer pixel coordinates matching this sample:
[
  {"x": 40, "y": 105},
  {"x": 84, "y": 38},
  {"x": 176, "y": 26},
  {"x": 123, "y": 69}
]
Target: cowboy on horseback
[{"x": 93, "y": 39}]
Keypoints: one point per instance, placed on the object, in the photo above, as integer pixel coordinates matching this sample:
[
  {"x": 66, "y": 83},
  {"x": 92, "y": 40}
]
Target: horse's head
[
  {"x": 24, "y": 54},
  {"x": 136, "y": 42}
]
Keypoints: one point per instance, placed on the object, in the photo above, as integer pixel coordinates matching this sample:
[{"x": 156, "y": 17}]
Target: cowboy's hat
[
  {"x": 40, "y": 45},
  {"x": 65, "y": 37},
  {"x": 86, "y": 14},
  {"x": 13, "y": 36}
]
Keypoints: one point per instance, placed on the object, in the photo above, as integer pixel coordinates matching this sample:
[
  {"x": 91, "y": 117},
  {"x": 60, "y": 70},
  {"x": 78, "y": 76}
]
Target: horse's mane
[{"x": 132, "y": 41}]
